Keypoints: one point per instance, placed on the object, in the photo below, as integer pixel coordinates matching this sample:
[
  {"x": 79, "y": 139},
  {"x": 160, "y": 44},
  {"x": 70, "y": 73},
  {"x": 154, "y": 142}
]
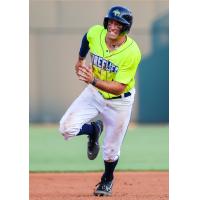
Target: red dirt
[{"x": 80, "y": 186}]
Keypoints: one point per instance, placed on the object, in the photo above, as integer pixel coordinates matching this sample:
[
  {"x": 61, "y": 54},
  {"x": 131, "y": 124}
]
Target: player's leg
[
  {"x": 75, "y": 121},
  {"x": 116, "y": 123},
  {"x": 81, "y": 111},
  {"x": 93, "y": 137}
]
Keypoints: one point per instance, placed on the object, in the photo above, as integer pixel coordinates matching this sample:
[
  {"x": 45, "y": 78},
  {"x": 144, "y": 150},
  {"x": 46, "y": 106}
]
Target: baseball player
[{"x": 110, "y": 91}]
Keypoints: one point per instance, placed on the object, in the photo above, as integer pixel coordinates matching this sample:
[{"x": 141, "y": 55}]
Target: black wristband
[{"x": 94, "y": 82}]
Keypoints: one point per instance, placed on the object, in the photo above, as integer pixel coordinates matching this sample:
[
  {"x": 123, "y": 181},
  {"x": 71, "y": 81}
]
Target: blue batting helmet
[{"x": 120, "y": 14}]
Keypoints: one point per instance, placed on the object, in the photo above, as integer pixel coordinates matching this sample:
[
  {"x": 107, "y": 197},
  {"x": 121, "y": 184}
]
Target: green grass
[{"x": 144, "y": 148}]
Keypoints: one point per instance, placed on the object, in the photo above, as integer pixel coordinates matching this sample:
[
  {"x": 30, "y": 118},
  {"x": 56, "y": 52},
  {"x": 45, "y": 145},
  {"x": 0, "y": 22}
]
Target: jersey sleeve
[
  {"x": 128, "y": 70},
  {"x": 93, "y": 32}
]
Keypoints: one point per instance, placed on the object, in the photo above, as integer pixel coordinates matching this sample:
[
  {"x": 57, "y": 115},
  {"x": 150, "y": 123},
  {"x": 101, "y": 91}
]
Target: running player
[{"x": 110, "y": 90}]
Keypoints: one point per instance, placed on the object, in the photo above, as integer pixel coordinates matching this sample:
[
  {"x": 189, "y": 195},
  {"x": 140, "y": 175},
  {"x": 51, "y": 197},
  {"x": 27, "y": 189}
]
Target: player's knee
[
  {"x": 67, "y": 136},
  {"x": 68, "y": 131}
]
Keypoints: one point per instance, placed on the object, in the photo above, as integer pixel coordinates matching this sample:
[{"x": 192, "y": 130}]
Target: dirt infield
[{"x": 79, "y": 186}]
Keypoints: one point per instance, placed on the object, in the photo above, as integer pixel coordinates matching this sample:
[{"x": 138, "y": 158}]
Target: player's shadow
[{"x": 153, "y": 76}]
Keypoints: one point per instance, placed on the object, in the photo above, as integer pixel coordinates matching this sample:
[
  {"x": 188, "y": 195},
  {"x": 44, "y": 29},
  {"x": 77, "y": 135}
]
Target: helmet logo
[{"x": 116, "y": 12}]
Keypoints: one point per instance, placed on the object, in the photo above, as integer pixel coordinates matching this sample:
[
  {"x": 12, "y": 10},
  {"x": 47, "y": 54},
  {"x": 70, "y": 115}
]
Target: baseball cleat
[
  {"x": 104, "y": 189},
  {"x": 93, "y": 143}
]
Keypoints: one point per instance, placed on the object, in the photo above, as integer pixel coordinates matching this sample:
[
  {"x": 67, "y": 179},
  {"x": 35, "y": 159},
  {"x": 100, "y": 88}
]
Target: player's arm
[
  {"x": 112, "y": 87},
  {"x": 85, "y": 74},
  {"x": 82, "y": 53}
]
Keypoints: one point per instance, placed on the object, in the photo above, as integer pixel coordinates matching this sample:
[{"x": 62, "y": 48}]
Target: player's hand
[
  {"x": 79, "y": 64},
  {"x": 85, "y": 74}
]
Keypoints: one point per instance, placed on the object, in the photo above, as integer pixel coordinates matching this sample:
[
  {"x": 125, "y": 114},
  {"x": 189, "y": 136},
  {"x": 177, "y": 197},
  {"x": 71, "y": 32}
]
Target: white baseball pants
[{"x": 115, "y": 113}]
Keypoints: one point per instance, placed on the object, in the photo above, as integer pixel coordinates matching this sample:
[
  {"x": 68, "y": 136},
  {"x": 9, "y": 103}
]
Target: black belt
[{"x": 127, "y": 94}]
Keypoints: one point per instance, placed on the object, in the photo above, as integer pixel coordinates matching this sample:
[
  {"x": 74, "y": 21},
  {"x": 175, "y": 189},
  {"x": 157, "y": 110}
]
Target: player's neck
[{"x": 115, "y": 43}]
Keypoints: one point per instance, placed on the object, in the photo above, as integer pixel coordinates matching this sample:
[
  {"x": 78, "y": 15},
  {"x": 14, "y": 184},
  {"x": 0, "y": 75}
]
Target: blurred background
[{"x": 56, "y": 30}]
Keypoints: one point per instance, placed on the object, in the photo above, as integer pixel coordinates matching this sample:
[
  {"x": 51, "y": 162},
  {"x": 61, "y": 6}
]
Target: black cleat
[
  {"x": 93, "y": 143},
  {"x": 104, "y": 188}
]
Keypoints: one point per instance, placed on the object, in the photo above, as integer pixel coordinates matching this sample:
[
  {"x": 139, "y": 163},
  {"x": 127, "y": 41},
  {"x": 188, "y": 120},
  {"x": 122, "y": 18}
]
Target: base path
[{"x": 80, "y": 186}]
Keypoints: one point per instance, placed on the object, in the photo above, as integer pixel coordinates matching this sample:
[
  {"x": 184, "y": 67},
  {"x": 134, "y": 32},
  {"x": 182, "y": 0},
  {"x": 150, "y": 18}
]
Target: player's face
[{"x": 114, "y": 29}]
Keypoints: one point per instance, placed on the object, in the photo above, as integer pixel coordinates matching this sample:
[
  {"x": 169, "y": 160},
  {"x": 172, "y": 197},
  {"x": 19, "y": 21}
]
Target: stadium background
[{"x": 56, "y": 29}]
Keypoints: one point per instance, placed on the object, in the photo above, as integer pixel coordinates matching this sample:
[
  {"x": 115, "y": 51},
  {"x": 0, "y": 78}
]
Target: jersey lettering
[{"x": 103, "y": 64}]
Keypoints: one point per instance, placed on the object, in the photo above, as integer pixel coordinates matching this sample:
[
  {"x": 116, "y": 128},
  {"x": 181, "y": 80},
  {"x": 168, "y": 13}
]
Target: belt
[{"x": 127, "y": 94}]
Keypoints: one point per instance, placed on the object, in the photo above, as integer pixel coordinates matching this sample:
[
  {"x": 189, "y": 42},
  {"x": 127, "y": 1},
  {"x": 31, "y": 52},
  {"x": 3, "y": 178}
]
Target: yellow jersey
[{"x": 118, "y": 65}]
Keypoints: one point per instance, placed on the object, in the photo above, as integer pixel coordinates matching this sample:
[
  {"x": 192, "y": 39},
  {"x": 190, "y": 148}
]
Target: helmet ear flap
[
  {"x": 125, "y": 29},
  {"x": 105, "y": 23}
]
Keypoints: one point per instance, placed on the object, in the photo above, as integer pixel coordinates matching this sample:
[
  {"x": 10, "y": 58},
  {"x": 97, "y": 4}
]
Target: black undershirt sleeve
[{"x": 84, "y": 47}]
